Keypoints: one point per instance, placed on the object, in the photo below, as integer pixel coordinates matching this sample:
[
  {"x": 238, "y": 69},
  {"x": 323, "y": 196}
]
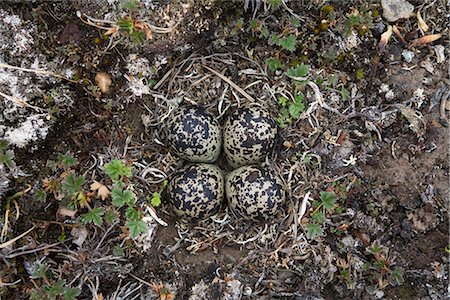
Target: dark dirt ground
[{"x": 387, "y": 238}]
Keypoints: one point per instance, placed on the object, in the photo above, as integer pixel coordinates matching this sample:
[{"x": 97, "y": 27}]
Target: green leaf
[
  {"x": 295, "y": 110},
  {"x": 375, "y": 249},
  {"x": 3, "y": 144},
  {"x": 39, "y": 270},
  {"x": 274, "y": 64},
  {"x": 273, "y": 39},
  {"x": 132, "y": 214},
  {"x": 264, "y": 33},
  {"x": 156, "y": 199},
  {"x": 71, "y": 293},
  {"x": 313, "y": 231},
  {"x": 396, "y": 277},
  {"x": 282, "y": 101},
  {"x": 72, "y": 184},
  {"x": 360, "y": 74},
  {"x": 328, "y": 199},
  {"x": 67, "y": 160},
  {"x": 57, "y": 288},
  {"x": 7, "y": 159},
  {"x": 301, "y": 70},
  {"x": 122, "y": 197},
  {"x": 125, "y": 24},
  {"x": 117, "y": 169},
  {"x": 281, "y": 122},
  {"x": 111, "y": 216},
  {"x": 294, "y": 21},
  {"x": 345, "y": 94},
  {"x": 93, "y": 216},
  {"x": 130, "y": 4},
  {"x": 318, "y": 217},
  {"x": 138, "y": 37},
  {"x": 289, "y": 43},
  {"x": 136, "y": 227},
  {"x": 40, "y": 195},
  {"x": 118, "y": 250},
  {"x": 275, "y": 3},
  {"x": 253, "y": 24}
]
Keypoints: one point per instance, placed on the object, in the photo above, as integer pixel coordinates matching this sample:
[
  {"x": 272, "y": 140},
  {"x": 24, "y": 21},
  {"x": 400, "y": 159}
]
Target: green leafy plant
[
  {"x": 289, "y": 43},
  {"x": 130, "y": 4},
  {"x": 123, "y": 197},
  {"x": 93, "y": 216},
  {"x": 360, "y": 21},
  {"x": 300, "y": 73},
  {"x": 155, "y": 199},
  {"x": 40, "y": 195},
  {"x": 327, "y": 204},
  {"x": 274, "y": 64},
  {"x": 56, "y": 290},
  {"x": 290, "y": 109},
  {"x": 52, "y": 290},
  {"x": 378, "y": 270},
  {"x": 275, "y": 3},
  {"x": 67, "y": 160},
  {"x": 65, "y": 185},
  {"x": 117, "y": 170}
]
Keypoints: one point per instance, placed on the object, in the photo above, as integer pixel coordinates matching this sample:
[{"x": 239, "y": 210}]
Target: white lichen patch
[
  {"x": 352, "y": 41},
  {"x": 138, "y": 86},
  {"x": 33, "y": 128},
  {"x": 11, "y": 27},
  {"x": 25, "y": 93},
  {"x": 141, "y": 71},
  {"x": 139, "y": 66}
]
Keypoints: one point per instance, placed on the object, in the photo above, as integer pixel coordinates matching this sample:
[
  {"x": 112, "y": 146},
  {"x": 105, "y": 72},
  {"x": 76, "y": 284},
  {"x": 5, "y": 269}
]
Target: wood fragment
[
  {"x": 234, "y": 85},
  {"x": 422, "y": 23},
  {"x": 425, "y": 40},
  {"x": 10, "y": 242},
  {"x": 384, "y": 40},
  {"x": 398, "y": 34}
]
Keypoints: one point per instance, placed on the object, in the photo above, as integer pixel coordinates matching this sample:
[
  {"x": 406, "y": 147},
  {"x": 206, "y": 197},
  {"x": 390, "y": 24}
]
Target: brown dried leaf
[
  {"x": 80, "y": 234},
  {"x": 148, "y": 33},
  {"x": 65, "y": 212},
  {"x": 384, "y": 40},
  {"x": 144, "y": 27},
  {"x": 422, "y": 23},
  {"x": 415, "y": 119},
  {"x": 425, "y": 40},
  {"x": 103, "y": 81},
  {"x": 102, "y": 190},
  {"x": 112, "y": 30}
]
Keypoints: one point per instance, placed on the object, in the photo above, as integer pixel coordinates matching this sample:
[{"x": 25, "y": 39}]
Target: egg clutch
[{"x": 198, "y": 191}]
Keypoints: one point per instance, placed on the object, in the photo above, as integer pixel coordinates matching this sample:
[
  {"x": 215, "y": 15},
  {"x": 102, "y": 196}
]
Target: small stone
[
  {"x": 408, "y": 55},
  {"x": 440, "y": 53},
  {"x": 394, "y": 10},
  {"x": 427, "y": 65}
]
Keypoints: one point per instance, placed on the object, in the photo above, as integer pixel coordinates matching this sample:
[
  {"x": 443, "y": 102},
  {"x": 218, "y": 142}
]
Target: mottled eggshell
[
  {"x": 197, "y": 192},
  {"x": 195, "y": 135},
  {"x": 249, "y": 135},
  {"x": 254, "y": 193}
]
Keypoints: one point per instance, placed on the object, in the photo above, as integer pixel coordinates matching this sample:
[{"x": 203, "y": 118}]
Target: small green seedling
[{"x": 6, "y": 157}]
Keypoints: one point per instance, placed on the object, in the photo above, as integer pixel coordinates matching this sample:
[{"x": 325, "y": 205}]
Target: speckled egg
[
  {"x": 197, "y": 192},
  {"x": 249, "y": 135},
  {"x": 254, "y": 193},
  {"x": 195, "y": 135}
]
